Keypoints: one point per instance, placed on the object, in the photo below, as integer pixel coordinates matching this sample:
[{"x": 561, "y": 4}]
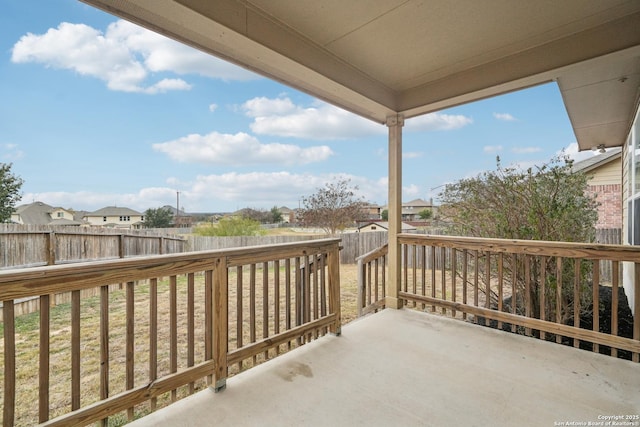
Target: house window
[
  {"x": 633, "y": 202},
  {"x": 124, "y": 218},
  {"x": 373, "y": 227},
  {"x": 104, "y": 218},
  {"x": 60, "y": 215}
]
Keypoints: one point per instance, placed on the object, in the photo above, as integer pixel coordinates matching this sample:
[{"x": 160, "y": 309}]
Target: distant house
[
  {"x": 288, "y": 215},
  {"x": 384, "y": 226},
  {"x": 39, "y": 213},
  {"x": 372, "y": 211},
  {"x": 115, "y": 217},
  {"x": 411, "y": 210},
  {"x": 604, "y": 172},
  {"x": 181, "y": 219}
]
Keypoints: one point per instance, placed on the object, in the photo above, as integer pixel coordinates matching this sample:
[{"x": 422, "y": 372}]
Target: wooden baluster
[
  {"x": 287, "y": 296},
  {"x": 559, "y": 281},
  {"x": 153, "y": 336},
  {"x": 221, "y": 323},
  {"x": 542, "y": 289},
  {"x": 454, "y": 273},
  {"x": 191, "y": 342},
  {"x": 239, "y": 311},
  {"x": 252, "y": 307},
  {"x": 265, "y": 304},
  {"x": 9, "y": 332},
  {"x": 576, "y": 298},
  {"x": 45, "y": 318},
  {"x": 104, "y": 346},
  {"x": 596, "y": 301},
  {"x": 130, "y": 337},
  {"x": 208, "y": 320},
  {"x": 500, "y": 285}
]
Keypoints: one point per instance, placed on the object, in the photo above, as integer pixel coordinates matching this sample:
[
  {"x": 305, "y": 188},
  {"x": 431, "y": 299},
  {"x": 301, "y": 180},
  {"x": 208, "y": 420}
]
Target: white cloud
[
  {"x": 410, "y": 191},
  {"x": 281, "y": 117},
  {"x": 266, "y": 189},
  {"x": 573, "y": 151},
  {"x": 412, "y": 155},
  {"x": 221, "y": 193},
  {"x": 124, "y": 56},
  {"x": 526, "y": 150},
  {"x": 492, "y": 148},
  {"x": 504, "y": 117},
  {"x": 239, "y": 149},
  {"x": 437, "y": 121},
  {"x": 213, "y": 107},
  {"x": 11, "y": 152}
]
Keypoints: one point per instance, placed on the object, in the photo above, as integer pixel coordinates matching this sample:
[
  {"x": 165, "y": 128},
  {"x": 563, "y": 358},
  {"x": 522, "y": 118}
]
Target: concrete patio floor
[{"x": 406, "y": 368}]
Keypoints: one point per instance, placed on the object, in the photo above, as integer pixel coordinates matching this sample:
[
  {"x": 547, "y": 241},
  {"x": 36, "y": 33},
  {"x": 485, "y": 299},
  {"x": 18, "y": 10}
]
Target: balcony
[
  {"x": 262, "y": 326},
  {"x": 401, "y": 367}
]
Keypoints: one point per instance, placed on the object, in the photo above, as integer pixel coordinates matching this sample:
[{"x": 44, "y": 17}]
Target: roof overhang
[{"x": 379, "y": 58}]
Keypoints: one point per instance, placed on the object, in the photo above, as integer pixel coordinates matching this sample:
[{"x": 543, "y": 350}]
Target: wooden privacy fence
[
  {"x": 29, "y": 246},
  {"x": 353, "y": 244},
  {"x": 182, "y": 322},
  {"x": 542, "y": 289}
]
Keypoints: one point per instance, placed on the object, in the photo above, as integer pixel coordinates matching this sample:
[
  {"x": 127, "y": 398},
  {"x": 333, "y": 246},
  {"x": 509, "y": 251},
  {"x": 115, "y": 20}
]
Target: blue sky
[{"x": 95, "y": 111}]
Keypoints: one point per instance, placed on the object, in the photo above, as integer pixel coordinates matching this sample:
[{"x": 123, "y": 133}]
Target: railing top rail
[
  {"x": 34, "y": 281},
  {"x": 530, "y": 247},
  {"x": 376, "y": 253}
]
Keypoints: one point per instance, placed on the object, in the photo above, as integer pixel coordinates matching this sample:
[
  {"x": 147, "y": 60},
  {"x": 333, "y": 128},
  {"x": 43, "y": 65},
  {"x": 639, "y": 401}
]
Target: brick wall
[{"x": 610, "y": 199}]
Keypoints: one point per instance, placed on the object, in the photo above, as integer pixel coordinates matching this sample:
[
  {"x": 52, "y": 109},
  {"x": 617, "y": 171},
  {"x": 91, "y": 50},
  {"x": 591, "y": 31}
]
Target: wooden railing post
[
  {"x": 220, "y": 323},
  {"x": 395, "y": 123},
  {"x": 333, "y": 261},
  {"x": 361, "y": 286}
]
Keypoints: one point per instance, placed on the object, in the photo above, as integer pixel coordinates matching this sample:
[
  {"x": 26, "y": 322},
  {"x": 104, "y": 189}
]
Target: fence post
[
  {"x": 220, "y": 323},
  {"x": 121, "y": 245},
  {"x": 51, "y": 248}
]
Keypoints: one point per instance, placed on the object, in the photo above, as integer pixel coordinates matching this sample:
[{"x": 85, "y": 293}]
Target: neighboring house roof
[
  {"x": 418, "y": 202},
  {"x": 39, "y": 213},
  {"x": 598, "y": 160},
  {"x": 62, "y": 221},
  {"x": 113, "y": 211},
  {"x": 173, "y": 210},
  {"x": 385, "y": 225}
]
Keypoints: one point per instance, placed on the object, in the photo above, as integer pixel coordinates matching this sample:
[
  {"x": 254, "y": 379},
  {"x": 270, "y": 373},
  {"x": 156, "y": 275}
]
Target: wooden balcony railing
[
  {"x": 550, "y": 290},
  {"x": 372, "y": 280},
  {"x": 179, "y": 323}
]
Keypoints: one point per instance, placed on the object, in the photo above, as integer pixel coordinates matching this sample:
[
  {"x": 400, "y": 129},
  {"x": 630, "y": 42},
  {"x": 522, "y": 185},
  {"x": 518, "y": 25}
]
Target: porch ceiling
[{"x": 383, "y": 57}]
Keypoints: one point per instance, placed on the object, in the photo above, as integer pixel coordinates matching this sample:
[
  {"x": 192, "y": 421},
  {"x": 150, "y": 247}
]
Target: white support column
[{"x": 394, "y": 123}]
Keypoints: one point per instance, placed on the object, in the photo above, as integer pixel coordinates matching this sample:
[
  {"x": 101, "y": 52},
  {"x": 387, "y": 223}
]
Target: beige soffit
[{"x": 378, "y": 58}]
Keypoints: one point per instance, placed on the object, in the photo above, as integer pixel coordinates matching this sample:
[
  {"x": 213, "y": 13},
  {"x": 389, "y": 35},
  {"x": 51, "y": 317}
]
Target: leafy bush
[{"x": 231, "y": 226}]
